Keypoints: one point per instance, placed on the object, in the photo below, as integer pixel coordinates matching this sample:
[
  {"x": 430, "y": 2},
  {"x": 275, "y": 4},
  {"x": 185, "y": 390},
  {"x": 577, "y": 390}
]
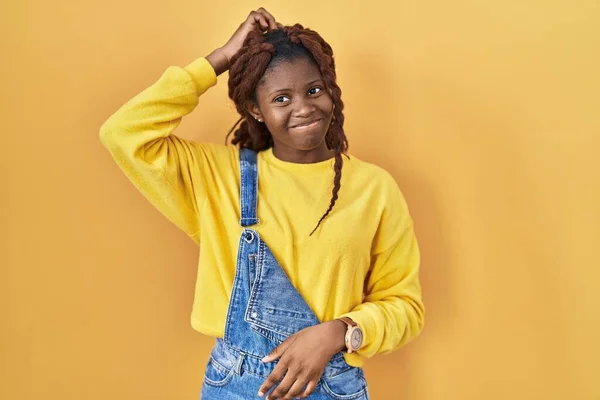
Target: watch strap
[{"x": 348, "y": 321}]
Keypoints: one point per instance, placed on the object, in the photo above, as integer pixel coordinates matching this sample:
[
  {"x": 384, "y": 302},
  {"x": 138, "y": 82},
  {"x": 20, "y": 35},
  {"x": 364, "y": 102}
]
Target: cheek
[
  {"x": 326, "y": 104},
  {"x": 276, "y": 118}
]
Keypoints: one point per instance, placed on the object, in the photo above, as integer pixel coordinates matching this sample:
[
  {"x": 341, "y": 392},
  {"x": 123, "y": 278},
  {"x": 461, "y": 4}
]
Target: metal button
[{"x": 249, "y": 237}]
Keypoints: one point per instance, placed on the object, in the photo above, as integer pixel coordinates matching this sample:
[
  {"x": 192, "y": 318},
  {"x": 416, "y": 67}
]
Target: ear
[{"x": 253, "y": 109}]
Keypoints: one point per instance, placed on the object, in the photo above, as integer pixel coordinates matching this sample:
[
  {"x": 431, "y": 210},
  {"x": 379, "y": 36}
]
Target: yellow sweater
[{"x": 362, "y": 262}]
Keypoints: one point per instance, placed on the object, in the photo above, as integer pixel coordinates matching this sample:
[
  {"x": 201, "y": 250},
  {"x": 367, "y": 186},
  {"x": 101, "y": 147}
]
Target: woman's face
[{"x": 296, "y": 108}]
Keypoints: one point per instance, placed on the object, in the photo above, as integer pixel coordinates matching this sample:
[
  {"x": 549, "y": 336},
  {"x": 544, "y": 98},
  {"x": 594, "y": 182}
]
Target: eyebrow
[{"x": 287, "y": 89}]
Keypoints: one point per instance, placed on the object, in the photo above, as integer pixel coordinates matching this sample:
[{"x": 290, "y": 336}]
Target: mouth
[{"x": 307, "y": 125}]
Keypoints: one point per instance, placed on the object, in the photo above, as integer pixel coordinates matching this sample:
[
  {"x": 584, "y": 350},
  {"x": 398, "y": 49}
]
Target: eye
[
  {"x": 315, "y": 90},
  {"x": 280, "y": 99}
]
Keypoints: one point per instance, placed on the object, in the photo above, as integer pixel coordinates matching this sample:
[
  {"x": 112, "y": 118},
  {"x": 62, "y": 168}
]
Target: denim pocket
[
  {"x": 274, "y": 337},
  {"x": 217, "y": 374},
  {"x": 349, "y": 385},
  {"x": 289, "y": 314}
]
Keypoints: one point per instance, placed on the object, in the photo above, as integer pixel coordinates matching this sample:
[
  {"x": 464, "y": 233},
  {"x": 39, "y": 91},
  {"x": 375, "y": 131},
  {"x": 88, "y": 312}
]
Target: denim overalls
[{"x": 264, "y": 309}]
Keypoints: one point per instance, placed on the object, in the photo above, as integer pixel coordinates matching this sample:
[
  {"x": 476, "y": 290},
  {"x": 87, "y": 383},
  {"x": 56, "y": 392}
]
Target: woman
[{"x": 304, "y": 275}]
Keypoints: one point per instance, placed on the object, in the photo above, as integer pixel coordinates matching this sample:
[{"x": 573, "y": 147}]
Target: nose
[{"x": 304, "y": 108}]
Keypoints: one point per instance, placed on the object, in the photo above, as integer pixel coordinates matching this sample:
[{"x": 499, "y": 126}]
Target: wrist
[
  {"x": 227, "y": 53},
  {"x": 219, "y": 60},
  {"x": 338, "y": 335}
]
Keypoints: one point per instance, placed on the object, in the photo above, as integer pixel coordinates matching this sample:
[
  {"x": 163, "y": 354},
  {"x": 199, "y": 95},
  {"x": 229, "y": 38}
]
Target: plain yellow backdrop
[{"x": 486, "y": 113}]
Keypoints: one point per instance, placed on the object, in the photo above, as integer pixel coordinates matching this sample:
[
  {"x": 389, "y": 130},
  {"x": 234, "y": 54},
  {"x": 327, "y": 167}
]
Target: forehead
[{"x": 290, "y": 74}]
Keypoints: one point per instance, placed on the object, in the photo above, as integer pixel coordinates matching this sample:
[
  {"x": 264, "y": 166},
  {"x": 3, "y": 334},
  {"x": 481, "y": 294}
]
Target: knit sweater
[{"x": 362, "y": 262}]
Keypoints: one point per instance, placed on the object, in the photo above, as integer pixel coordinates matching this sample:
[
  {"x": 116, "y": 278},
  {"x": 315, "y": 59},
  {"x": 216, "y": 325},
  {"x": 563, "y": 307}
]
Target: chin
[{"x": 309, "y": 142}]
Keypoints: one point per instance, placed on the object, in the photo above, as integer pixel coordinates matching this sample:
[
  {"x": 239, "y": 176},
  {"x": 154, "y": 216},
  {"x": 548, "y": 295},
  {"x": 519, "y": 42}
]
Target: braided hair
[{"x": 261, "y": 52}]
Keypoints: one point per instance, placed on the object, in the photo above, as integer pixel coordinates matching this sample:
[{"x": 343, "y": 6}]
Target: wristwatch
[{"x": 354, "y": 335}]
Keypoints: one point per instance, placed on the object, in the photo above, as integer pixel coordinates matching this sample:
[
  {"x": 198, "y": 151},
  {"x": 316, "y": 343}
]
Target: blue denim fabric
[{"x": 264, "y": 309}]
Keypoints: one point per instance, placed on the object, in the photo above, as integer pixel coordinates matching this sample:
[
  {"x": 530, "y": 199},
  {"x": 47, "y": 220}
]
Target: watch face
[{"x": 356, "y": 339}]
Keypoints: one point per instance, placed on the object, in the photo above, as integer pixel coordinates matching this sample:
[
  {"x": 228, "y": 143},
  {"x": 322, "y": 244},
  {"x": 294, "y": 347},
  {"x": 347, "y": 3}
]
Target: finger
[
  {"x": 309, "y": 389},
  {"x": 269, "y": 16},
  {"x": 272, "y": 379},
  {"x": 284, "y": 387},
  {"x": 262, "y": 22},
  {"x": 259, "y": 20},
  {"x": 278, "y": 351},
  {"x": 295, "y": 390}
]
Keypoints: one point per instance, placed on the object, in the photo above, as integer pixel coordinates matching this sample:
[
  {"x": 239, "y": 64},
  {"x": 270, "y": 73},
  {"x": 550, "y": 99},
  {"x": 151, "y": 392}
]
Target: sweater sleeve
[
  {"x": 160, "y": 165},
  {"x": 392, "y": 312}
]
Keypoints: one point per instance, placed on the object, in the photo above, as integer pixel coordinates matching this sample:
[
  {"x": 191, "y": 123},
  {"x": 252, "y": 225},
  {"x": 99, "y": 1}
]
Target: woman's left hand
[{"x": 302, "y": 359}]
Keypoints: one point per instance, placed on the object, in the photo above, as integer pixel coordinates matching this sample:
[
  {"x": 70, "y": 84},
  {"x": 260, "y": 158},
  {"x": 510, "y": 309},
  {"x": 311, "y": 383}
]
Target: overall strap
[{"x": 248, "y": 187}]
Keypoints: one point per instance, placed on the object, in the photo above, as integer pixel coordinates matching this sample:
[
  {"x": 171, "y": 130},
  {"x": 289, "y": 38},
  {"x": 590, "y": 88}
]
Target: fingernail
[
  {"x": 265, "y": 359},
  {"x": 260, "y": 394}
]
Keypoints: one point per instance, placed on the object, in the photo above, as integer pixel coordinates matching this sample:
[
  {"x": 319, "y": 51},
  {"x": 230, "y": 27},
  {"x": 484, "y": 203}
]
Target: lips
[{"x": 306, "y": 124}]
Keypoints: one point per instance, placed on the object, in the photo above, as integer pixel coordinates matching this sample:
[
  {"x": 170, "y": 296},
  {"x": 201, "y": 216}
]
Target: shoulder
[
  {"x": 217, "y": 154},
  {"x": 378, "y": 178},
  {"x": 389, "y": 204},
  {"x": 385, "y": 196},
  {"x": 218, "y": 149}
]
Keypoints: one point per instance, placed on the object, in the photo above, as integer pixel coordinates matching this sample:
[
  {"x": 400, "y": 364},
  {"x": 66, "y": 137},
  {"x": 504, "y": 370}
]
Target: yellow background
[{"x": 486, "y": 113}]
